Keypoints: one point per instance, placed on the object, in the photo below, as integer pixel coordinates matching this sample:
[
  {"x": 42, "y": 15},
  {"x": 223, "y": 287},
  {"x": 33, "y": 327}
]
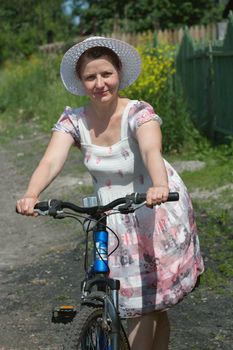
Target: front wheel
[{"x": 86, "y": 332}]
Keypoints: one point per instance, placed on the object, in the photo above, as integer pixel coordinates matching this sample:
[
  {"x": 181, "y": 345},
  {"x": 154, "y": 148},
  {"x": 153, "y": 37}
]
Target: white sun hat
[{"x": 128, "y": 55}]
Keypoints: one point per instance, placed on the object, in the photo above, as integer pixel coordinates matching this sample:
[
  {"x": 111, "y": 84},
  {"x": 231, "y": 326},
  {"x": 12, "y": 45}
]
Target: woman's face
[{"x": 100, "y": 79}]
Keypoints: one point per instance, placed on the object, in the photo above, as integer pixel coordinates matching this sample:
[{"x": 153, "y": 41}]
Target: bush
[{"x": 157, "y": 85}]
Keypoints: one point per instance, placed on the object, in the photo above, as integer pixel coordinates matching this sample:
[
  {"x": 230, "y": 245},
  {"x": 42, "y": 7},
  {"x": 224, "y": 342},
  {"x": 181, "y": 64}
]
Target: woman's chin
[{"x": 103, "y": 97}]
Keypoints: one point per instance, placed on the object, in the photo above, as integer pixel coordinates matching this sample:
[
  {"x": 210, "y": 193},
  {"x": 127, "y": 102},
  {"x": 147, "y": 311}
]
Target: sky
[{"x": 68, "y": 9}]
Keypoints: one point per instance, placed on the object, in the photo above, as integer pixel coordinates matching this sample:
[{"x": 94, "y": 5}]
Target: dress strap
[
  {"x": 84, "y": 132},
  {"x": 124, "y": 121}
]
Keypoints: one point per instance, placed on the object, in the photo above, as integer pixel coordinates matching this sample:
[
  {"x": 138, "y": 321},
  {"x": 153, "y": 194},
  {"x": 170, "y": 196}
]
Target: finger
[
  {"x": 20, "y": 206},
  {"x": 157, "y": 199},
  {"x": 164, "y": 199},
  {"x": 24, "y": 208},
  {"x": 18, "y": 209},
  {"x": 31, "y": 210},
  {"x": 151, "y": 206}
]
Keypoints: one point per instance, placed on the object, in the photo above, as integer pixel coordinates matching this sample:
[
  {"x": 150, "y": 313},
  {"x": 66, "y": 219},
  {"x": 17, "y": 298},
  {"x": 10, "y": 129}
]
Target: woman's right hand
[{"x": 25, "y": 205}]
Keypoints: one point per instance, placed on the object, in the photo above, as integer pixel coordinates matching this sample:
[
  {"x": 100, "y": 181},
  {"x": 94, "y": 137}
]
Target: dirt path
[{"x": 40, "y": 263}]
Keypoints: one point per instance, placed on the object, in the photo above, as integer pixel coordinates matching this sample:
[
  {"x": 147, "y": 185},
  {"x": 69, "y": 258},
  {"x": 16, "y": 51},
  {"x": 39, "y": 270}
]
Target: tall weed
[{"x": 31, "y": 92}]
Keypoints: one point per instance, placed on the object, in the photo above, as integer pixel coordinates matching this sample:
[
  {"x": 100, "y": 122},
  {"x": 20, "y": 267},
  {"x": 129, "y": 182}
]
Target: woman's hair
[{"x": 97, "y": 52}]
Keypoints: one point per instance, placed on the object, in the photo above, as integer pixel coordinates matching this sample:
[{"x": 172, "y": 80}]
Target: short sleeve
[
  {"x": 68, "y": 123},
  {"x": 140, "y": 113}
]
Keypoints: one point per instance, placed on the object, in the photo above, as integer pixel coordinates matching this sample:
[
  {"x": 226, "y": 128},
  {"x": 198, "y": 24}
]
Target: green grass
[
  {"x": 31, "y": 93},
  {"x": 215, "y": 226},
  {"x": 210, "y": 177},
  {"x": 214, "y": 213}
]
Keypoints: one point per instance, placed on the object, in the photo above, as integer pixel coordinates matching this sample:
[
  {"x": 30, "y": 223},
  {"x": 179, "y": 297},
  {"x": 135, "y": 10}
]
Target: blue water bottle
[
  {"x": 100, "y": 239},
  {"x": 101, "y": 251}
]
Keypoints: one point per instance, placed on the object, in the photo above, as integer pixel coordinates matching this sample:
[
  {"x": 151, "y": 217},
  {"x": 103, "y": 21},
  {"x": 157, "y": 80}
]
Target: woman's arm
[
  {"x": 149, "y": 138},
  {"x": 49, "y": 167}
]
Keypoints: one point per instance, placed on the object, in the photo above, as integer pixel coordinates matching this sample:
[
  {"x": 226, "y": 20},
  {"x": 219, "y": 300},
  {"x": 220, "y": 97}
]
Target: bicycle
[{"x": 97, "y": 326}]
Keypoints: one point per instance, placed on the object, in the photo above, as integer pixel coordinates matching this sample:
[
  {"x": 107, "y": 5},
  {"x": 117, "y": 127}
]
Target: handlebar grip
[
  {"x": 52, "y": 207},
  {"x": 173, "y": 197},
  {"x": 42, "y": 206},
  {"x": 141, "y": 197}
]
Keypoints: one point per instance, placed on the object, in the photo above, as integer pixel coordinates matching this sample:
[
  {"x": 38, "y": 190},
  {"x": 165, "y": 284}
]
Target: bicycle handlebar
[{"x": 54, "y": 206}]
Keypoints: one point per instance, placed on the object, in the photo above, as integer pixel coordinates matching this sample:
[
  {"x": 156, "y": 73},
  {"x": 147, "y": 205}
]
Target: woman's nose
[{"x": 99, "y": 81}]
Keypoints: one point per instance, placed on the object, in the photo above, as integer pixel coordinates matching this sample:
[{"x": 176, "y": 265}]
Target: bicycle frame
[{"x": 98, "y": 277}]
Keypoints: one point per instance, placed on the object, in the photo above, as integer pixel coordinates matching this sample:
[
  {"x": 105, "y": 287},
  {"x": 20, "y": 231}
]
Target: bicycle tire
[{"x": 85, "y": 333}]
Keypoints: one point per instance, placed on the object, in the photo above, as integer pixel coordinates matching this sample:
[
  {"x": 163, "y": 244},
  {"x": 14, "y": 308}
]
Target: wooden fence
[
  {"x": 206, "y": 72},
  {"x": 203, "y": 33}
]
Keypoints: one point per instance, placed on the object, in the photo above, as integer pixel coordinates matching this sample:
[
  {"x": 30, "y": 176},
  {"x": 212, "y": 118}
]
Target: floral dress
[{"x": 158, "y": 260}]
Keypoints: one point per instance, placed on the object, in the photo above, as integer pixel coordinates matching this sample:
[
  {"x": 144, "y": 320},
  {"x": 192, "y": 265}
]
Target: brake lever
[
  {"x": 124, "y": 209},
  {"x": 41, "y": 212},
  {"x": 127, "y": 207}
]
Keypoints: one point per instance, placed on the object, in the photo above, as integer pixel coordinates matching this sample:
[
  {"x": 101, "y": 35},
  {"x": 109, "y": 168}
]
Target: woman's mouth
[{"x": 101, "y": 93}]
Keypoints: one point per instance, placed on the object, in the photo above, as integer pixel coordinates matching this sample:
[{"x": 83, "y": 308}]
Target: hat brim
[{"x": 128, "y": 55}]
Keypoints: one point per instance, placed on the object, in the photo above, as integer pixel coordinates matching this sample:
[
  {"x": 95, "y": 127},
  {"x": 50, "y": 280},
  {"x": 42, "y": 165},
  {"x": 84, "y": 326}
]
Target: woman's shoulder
[
  {"x": 73, "y": 113},
  {"x": 141, "y": 112},
  {"x": 139, "y": 107},
  {"x": 69, "y": 122}
]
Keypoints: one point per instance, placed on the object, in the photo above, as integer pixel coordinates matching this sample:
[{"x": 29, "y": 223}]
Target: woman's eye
[
  {"x": 107, "y": 74},
  {"x": 90, "y": 78}
]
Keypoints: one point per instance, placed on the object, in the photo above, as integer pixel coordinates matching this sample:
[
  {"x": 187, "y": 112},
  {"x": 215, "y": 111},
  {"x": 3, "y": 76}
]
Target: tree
[
  {"x": 173, "y": 14},
  {"x": 100, "y": 16},
  {"x": 26, "y": 24}
]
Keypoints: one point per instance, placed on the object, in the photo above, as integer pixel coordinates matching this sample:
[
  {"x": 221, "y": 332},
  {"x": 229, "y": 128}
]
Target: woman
[{"x": 158, "y": 261}]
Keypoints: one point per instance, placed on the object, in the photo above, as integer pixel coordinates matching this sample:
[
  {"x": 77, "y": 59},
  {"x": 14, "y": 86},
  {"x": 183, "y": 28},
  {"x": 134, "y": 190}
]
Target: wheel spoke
[
  {"x": 87, "y": 332},
  {"x": 95, "y": 338}
]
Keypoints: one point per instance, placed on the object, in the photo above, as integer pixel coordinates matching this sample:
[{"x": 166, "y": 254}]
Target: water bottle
[
  {"x": 100, "y": 240},
  {"x": 101, "y": 251}
]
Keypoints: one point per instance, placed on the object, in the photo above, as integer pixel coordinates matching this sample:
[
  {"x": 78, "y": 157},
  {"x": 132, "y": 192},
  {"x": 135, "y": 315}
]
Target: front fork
[
  {"x": 109, "y": 302},
  {"x": 111, "y": 314}
]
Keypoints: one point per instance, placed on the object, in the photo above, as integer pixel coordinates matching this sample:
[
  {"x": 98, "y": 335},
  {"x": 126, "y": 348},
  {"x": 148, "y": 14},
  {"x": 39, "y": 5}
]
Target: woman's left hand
[{"x": 157, "y": 195}]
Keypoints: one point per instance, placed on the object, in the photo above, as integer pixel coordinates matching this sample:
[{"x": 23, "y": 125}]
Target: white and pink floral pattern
[{"x": 158, "y": 260}]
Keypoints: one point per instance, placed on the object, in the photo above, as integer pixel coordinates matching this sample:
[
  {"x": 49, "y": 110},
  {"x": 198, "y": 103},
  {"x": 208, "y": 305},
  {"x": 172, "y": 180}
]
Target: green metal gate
[{"x": 206, "y": 72}]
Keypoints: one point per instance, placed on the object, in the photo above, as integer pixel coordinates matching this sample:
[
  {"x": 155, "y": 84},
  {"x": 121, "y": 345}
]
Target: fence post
[
  {"x": 184, "y": 65},
  {"x": 228, "y": 41},
  {"x": 155, "y": 40},
  {"x": 193, "y": 67},
  {"x": 211, "y": 111},
  {"x": 186, "y": 49},
  {"x": 223, "y": 79}
]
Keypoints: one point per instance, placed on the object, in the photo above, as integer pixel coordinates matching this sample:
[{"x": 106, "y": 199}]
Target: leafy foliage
[
  {"x": 173, "y": 14},
  {"x": 25, "y": 24},
  {"x": 156, "y": 85},
  {"x": 131, "y": 16}
]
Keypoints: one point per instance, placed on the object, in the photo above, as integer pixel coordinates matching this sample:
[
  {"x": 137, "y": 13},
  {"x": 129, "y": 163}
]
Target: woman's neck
[
  {"x": 104, "y": 110},
  {"x": 104, "y": 121}
]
